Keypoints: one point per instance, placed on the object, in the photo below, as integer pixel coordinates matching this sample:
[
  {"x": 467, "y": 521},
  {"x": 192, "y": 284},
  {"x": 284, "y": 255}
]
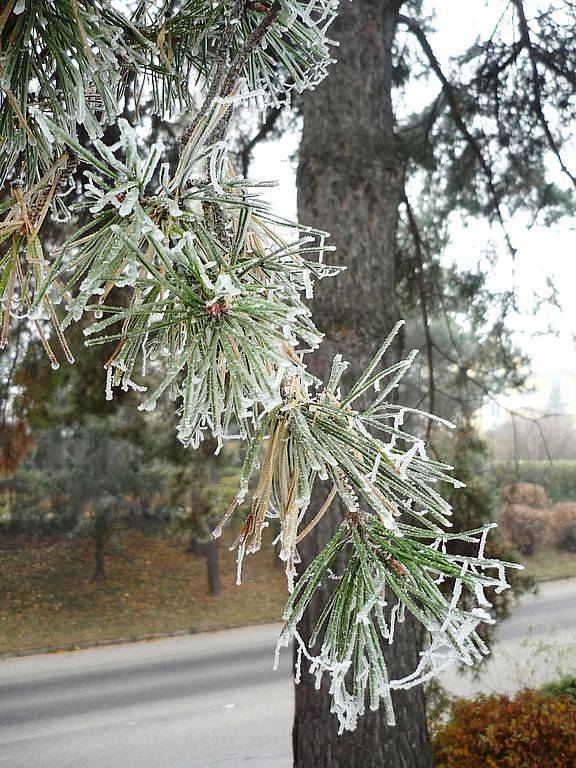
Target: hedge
[
  {"x": 566, "y": 686},
  {"x": 531, "y": 730},
  {"x": 558, "y": 478}
]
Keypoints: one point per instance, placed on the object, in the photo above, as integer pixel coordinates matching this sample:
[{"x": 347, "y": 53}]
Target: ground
[
  {"x": 48, "y": 597},
  {"x": 550, "y": 564}
]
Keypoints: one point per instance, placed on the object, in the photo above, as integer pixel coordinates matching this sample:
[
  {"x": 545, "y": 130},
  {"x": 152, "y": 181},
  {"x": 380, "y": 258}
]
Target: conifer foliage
[{"x": 216, "y": 317}]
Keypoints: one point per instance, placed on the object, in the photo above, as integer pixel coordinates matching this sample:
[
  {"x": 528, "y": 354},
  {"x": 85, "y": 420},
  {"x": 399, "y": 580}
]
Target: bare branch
[{"x": 514, "y": 414}]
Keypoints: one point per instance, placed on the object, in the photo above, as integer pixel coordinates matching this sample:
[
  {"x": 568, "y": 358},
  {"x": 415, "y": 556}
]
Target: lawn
[
  {"x": 48, "y": 597},
  {"x": 550, "y": 564}
]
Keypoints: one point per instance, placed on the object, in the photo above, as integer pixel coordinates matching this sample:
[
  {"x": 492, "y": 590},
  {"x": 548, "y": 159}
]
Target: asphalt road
[{"x": 213, "y": 700}]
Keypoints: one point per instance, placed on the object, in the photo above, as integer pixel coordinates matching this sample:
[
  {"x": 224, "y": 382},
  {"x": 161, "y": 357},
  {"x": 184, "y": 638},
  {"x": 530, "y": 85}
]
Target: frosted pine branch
[{"x": 214, "y": 311}]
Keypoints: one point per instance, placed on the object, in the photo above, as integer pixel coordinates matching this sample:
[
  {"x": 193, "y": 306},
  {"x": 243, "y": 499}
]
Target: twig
[
  {"x": 219, "y": 71},
  {"x": 225, "y": 78}
]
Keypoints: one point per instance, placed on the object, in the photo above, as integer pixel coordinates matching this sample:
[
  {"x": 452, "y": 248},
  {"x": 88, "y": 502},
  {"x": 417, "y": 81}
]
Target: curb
[{"x": 86, "y": 644}]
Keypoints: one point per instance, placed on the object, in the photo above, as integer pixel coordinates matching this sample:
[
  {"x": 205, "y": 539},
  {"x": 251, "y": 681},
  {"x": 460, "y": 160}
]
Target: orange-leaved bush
[{"x": 531, "y": 730}]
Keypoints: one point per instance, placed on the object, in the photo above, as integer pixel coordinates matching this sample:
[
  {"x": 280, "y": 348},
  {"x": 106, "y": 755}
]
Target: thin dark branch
[
  {"x": 266, "y": 129},
  {"x": 537, "y": 91},
  {"x": 512, "y": 412},
  {"x": 452, "y": 101},
  {"x": 423, "y": 295},
  {"x": 488, "y": 75}
]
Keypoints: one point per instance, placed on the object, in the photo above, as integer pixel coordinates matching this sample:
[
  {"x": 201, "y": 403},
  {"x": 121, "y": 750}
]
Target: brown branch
[
  {"x": 537, "y": 91},
  {"x": 221, "y": 55},
  {"x": 252, "y": 42},
  {"x": 226, "y": 75},
  {"x": 224, "y": 81},
  {"x": 6, "y": 13},
  {"x": 235, "y": 68}
]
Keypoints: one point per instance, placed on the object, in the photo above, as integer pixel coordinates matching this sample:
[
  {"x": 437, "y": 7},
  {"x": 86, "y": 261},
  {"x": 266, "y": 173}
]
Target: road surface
[{"x": 212, "y": 700}]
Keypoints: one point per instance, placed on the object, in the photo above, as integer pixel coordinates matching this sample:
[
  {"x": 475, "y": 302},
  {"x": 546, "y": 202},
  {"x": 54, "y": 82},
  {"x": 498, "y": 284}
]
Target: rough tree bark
[{"x": 350, "y": 182}]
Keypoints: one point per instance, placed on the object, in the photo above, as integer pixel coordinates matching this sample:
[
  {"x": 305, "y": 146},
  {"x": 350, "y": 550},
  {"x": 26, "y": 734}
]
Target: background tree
[
  {"x": 200, "y": 487},
  {"x": 530, "y": 435},
  {"x": 86, "y": 469}
]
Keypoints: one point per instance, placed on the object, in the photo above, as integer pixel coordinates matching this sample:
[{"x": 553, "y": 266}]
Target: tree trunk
[
  {"x": 350, "y": 182},
  {"x": 208, "y": 549},
  {"x": 100, "y": 532},
  {"x": 212, "y": 569}
]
